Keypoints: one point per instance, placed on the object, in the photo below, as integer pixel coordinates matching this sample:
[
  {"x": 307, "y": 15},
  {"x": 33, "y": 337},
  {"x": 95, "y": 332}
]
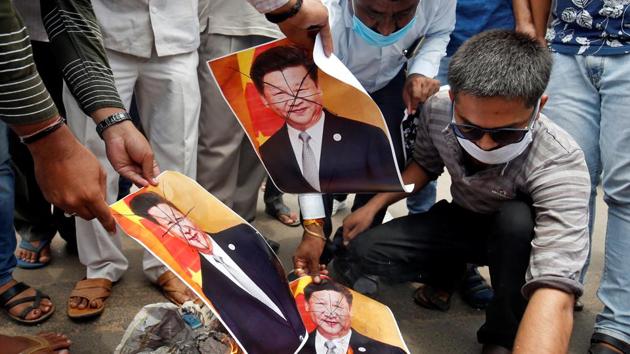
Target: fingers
[
  {"x": 298, "y": 267},
  {"x": 407, "y": 101},
  {"x": 313, "y": 266},
  {"x": 149, "y": 167},
  {"x": 327, "y": 40},
  {"x": 100, "y": 210},
  {"x": 323, "y": 270},
  {"x": 132, "y": 173},
  {"x": 348, "y": 236},
  {"x": 156, "y": 172}
]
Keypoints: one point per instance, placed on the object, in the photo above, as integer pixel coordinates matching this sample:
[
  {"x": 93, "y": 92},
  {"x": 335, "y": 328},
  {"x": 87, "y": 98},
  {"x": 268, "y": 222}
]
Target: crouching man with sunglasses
[{"x": 520, "y": 191}]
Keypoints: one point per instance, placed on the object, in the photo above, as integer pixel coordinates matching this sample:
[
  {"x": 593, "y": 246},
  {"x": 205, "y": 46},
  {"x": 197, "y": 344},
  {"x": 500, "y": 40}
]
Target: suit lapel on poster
[{"x": 237, "y": 248}]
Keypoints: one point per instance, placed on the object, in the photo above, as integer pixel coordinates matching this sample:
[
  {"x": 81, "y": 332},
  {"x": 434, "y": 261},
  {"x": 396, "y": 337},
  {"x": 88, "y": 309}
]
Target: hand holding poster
[{"x": 312, "y": 131}]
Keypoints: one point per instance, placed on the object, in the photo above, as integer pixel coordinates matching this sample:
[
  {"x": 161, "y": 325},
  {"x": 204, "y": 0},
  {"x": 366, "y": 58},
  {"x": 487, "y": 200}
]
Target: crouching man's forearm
[{"x": 547, "y": 324}]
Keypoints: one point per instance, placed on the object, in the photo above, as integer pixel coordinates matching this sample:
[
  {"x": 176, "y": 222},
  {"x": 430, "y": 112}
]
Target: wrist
[
  {"x": 102, "y": 113},
  {"x": 42, "y": 131},
  {"x": 118, "y": 130},
  {"x": 111, "y": 121},
  {"x": 374, "y": 205},
  {"x": 285, "y": 12},
  {"x": 56, "y": 145},
  {"x": 314, "y": 229}
]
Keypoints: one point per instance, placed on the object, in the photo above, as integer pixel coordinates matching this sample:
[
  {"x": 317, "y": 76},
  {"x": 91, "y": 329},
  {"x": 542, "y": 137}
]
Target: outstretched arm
[
  {"x": 80, "y": 56},
  {"x": 361, "y": 219},
  {"x": 69, "y": 175},
  {"x": 547, "y": 324}
]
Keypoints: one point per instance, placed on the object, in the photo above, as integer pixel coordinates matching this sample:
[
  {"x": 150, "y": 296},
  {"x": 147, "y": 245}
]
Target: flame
[{"x": 234, "y": 349}]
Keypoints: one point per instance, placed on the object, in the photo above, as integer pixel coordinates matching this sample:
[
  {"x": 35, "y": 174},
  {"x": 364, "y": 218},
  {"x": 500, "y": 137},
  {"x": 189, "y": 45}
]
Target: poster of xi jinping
[
  {"x": 342, "y": 321},
  {"x": 222, "y": 258},
  {"x": 312, "y": 124}
]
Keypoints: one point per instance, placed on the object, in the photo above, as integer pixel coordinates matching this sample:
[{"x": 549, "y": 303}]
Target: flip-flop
[
  {"x": 35, "y": 249},
  {"x": 277, "y": 208}
]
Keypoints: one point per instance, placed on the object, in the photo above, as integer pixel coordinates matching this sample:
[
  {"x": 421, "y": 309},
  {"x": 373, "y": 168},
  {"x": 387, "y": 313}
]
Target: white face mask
[{"x": 499, "y": 155}]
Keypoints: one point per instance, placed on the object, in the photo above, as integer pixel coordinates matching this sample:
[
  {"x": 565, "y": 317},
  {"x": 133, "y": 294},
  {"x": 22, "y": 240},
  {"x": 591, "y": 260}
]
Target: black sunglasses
[{"x": 502, "y": 136}]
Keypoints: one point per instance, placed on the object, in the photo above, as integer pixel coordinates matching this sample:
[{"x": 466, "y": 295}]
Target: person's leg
[
  {"x": 614, "y": 290},
  {"x": 8, "y": 292},
  {"x": 7, "y": 234},
  {"x": 33, "y": 219},
  {"x": 220, "y": 135},
  {"x": 509, "y": 237},
  {"x": 226, "y": 165},
  {"x": 170, "y": 123},
  {"x": 574, "y": 105},
  {"x": 250, "y": 177},
  {"x": 440, "y": 241},
  {"x": 100, "y": 252},
  {"x": 275, "y": 207}
]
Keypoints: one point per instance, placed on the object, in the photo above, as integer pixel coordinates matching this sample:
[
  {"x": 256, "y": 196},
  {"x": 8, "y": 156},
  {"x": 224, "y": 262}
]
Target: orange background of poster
[
  {"x": 365, "y": 313},
  {"x": 232, "y": 75}
]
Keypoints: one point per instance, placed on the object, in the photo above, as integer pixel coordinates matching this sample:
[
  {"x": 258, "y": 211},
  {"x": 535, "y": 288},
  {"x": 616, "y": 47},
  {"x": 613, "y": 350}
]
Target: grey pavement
[{"x": 424, "y": 331}]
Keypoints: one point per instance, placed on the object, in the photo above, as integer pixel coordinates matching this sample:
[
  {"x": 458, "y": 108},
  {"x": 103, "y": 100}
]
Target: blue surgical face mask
[{"x": 376, "y": 39}]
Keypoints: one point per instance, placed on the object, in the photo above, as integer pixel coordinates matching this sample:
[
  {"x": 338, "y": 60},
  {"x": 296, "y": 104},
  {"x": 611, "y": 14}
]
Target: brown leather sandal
[
  {"x": 169, "y": 289},
  {"x": 432, "y": 298},
  {"x": 90, "y": 289}
]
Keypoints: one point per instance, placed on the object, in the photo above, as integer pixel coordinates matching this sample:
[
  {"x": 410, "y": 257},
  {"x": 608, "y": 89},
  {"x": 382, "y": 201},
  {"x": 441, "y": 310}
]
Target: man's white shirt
[
  {"x": 237, "y": 276},
  {"x": 341, "y": 344},
  {"x": 316, "y": 132}
]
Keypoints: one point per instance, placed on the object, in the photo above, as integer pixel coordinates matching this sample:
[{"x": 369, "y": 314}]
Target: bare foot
[
  {"x": 45, "y": 305},
  {"x": 31, "y": 257},
  {"x": 57, "y": 344},
  {"x": 289, "y": 219}
]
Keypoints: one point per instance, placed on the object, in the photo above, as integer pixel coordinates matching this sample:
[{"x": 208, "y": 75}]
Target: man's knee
[
  {"x": 514, "y": 224},
  {"x": 362, "y": 246}
]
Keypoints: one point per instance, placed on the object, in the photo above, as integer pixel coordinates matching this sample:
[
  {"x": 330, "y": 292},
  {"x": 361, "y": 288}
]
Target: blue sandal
[
  {"x": 475, "y": 290},
  {"x": 37, "y": 250}
]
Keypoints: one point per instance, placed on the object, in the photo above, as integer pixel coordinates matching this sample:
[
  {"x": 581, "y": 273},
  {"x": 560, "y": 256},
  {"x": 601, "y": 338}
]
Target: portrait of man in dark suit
[
  {"x": 316, "y": 150},
  {"x": 329, "y": 305},
  {"x": 240, "y": 276}
]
